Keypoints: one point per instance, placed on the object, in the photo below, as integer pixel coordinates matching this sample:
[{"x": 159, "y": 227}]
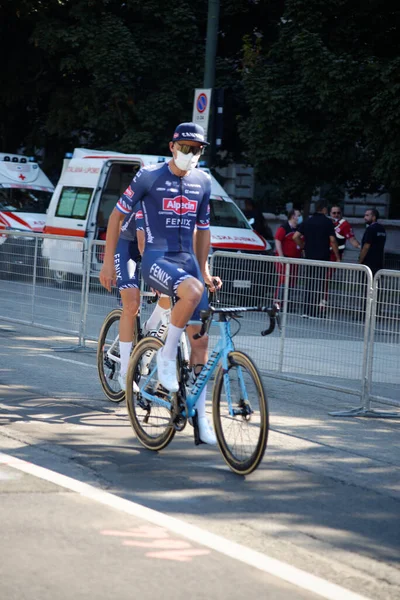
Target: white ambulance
[
  {"x": 87, "y": 191},
  {"x": 25, "y": 194}
]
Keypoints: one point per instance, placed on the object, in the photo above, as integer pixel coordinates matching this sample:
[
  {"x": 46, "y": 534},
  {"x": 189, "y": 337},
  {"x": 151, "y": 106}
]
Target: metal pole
[
  {"x": 35, "y": 258},
  {"x": 209, "y": 69},
  {"x": 88, "y": 249},
  {"x": 284, "y": 313},
  {"x": 211, "y": 43}
]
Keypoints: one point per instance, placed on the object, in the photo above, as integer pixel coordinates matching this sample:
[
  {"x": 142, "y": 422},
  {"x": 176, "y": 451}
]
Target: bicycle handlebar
[{"x": 207, "y": 316}]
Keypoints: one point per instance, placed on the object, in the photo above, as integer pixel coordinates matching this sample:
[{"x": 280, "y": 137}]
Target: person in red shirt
[
  {"x": 343, "y": 232},
  {"x": 286, "y": 246}
]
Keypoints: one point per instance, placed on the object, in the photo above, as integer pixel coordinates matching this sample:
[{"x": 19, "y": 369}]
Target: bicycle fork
[{"x": 243, "y": 406}]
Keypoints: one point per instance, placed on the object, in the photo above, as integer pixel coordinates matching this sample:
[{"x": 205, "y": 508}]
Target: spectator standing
[
  {"x": 343, "y": 232},
  {"x": 373, "y": 242},
  {"x": 319, "y": 236},
  {"x": 286, "y": 246}
]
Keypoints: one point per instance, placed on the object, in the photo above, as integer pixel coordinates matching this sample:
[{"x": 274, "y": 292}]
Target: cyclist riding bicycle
[{"x": 174, "y": 198}]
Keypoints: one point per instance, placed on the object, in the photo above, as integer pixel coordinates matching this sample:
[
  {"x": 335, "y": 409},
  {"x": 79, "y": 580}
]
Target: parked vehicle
[
  {"x": 25, "y": 194},
  {"x": 87, "y": 191}
]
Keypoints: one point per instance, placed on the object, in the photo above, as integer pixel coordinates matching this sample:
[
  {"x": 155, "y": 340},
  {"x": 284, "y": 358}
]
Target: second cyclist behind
[{"x": 124, "y": 246}]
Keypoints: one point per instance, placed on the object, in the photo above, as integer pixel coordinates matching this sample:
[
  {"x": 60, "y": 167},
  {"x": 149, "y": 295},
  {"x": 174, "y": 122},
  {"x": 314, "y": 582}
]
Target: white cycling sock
[
  {"x": 155, "y": 317},
  {"x": 124, "y": 353},
  {"x": 172, "y": 341},
  {"x": 201, "y": 403}
]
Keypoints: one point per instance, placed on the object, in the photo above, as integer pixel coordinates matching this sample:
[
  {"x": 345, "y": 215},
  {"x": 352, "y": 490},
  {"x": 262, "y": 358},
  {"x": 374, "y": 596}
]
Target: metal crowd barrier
[
  {"x": 325, "y": 312},
  {"x": 98, "y": 301},
  {"x": 384, "y": 355},
  {"x": 36, "y": 292},
  {"x": 340, "y": 328}
]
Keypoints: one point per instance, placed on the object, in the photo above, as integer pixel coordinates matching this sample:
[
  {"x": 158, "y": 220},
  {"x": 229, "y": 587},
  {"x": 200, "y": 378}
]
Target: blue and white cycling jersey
[
  {"x": 131, "y": 224},
  {"x": 172, "y": 206}
]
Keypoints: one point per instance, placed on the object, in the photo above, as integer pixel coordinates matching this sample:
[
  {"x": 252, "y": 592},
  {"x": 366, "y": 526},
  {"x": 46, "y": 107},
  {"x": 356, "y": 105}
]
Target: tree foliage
[
  {"x": 114, "y": 75},
  {"x": 322, "y": 97},
  {"x": 313, "y": 87}
]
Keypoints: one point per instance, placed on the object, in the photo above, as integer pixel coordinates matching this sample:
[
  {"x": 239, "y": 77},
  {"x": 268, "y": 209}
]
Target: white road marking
[
  {"x": 68, "y": 360},
  {"x": 255, "y": 559}
]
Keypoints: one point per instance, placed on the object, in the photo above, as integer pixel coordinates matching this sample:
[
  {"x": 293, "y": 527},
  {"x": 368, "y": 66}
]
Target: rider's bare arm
[
  {"x": 141, "y": 240},
  {"x": 202, "y": 248},
  {"x": 107, "y": 273}
]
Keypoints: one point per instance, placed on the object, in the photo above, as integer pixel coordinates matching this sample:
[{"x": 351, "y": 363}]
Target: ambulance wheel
[{"x": 59, "y": 278}]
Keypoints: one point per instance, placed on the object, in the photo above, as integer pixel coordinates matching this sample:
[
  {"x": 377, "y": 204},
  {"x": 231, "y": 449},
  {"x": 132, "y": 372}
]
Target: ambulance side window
[
  {"x": 226, "y": 214},
  {"x": 119, "y": 177},
  {"x": 74, "y": 202}
]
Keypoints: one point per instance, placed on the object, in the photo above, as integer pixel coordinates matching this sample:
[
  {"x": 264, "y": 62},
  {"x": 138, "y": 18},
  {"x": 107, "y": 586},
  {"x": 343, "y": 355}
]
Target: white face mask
[{"x": 185, "y": 162}]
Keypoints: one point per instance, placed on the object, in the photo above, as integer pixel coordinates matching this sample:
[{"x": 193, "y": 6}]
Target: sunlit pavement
[{"x": 325, "y": 499}]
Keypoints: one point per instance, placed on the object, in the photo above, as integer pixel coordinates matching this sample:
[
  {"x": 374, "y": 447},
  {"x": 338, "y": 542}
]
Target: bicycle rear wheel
[
  {"x": 150, "y": 420},
  {"x": 242, "y": 425},
  {"x": 108, "y": 356}
]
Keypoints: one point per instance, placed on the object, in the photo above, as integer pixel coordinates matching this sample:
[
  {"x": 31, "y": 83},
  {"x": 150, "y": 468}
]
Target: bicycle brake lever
[
  {"x": 270, "y": 328},
  {"x": 206, "y": 323},
  {"x": 274, "y": 319},
  {"x": 202, "y": 331}
]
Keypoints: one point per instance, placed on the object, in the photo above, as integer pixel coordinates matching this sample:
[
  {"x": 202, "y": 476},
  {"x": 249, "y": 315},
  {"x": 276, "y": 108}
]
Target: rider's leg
[
  {"x": 130, "y": 305},
  {"x": 176, "y": 275},
  {"x": 198, "y": 358},
  {"x": 162, "y": 307},
  {"x": 126, "y": 255},
  {"x": 189, "y": 293}
]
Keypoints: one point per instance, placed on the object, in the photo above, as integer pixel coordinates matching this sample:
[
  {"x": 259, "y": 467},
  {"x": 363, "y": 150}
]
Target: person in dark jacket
[
  {"x": 318, "y": 234},
  {"x": 373, "y": 242}
]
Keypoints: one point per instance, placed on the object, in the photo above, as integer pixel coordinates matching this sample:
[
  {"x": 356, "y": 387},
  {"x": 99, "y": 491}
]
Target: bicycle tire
[
  {"x": 224, "y": 422},
  {"x": 139, "y": 409},
  {"x": 108, "y": 373}
]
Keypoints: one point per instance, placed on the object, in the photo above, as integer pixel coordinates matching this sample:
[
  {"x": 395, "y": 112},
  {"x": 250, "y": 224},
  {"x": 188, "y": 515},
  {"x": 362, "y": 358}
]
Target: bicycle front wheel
[
  {"x": 149, "y": 416},
  {"x": 240, "y": 414}
]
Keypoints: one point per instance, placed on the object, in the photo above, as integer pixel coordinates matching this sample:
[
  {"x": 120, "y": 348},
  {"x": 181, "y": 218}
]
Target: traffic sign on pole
[{"x": 201, "y": 107}]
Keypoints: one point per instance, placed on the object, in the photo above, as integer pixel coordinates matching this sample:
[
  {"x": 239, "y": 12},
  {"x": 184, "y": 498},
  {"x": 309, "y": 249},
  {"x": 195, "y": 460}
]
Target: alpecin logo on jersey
[{"x": 180, "y": 205}]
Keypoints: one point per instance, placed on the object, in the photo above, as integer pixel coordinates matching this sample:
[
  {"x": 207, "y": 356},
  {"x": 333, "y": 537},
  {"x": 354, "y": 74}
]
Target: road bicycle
[
  {"x": 239, "y": 402},
  {"x": 108, "y": 355}
]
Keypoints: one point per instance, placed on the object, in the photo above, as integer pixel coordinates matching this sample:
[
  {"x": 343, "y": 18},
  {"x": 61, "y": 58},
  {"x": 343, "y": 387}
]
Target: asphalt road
[{"x": 325, "y": 500}]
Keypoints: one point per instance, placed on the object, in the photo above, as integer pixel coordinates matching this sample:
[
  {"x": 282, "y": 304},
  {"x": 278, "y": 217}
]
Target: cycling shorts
[
  {"x": 126, "y": 259},
  {"x": 165, "y": 271}
]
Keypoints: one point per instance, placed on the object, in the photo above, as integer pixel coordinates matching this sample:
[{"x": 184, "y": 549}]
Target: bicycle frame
[
  {"x": 161, "y": 333},
  {"x": 109, "y": 353},
  {"x": 220, "y": 353}
]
